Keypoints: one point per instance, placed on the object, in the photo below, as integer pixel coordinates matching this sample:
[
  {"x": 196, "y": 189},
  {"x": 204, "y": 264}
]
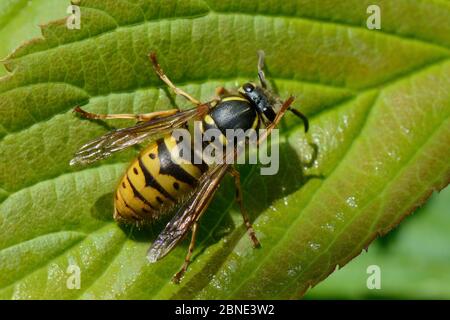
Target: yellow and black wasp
[{"x": 158, "y": 182}]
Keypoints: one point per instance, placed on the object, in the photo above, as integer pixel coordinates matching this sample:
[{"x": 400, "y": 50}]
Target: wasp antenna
[
  {"x": 261, "y": 75},
  {"x": 301, "y": 116},
  {"x": 261, "y": 56}
]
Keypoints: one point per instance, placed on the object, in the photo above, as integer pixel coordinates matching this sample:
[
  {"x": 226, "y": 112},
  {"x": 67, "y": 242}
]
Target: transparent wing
[
  {"x": 120, "y": 139},
  {"x": 187, "y": 214}
]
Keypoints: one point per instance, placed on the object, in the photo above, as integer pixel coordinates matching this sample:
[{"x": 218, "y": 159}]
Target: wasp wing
[
  {"x": 187, "y": 214},
  {"x": 120, "y": 139}
]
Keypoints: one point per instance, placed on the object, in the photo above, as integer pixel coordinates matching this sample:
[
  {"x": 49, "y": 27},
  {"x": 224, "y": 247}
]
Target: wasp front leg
[
  {"x": 159, "y": 71},
  {"x": 137, "y": 117},
  {"x": 284, "y": 108},
  {"x": 177, "y": 277},
  {"x": 237, "y": 181}
]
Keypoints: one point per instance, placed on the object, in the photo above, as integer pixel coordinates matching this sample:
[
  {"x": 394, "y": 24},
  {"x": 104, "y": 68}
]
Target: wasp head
[{"x": 261, "y": 99}]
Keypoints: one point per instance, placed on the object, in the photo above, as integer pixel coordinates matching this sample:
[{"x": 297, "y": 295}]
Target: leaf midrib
[{"x": 153, "y": 87}]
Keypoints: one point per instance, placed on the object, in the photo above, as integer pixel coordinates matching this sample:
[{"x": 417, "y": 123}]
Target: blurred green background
[{"x": 414, "y": 258}]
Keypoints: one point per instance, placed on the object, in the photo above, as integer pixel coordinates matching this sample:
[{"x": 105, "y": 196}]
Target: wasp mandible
[{"x": 157, "y": 182}]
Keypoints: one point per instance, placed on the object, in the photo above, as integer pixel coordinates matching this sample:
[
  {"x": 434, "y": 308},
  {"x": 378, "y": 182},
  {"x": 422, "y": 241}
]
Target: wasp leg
[
  {"x": 159, "y": 71},
  {"x": 138, "y": 117},
  {"x": 237, "y": 181},
  {"x": 284, "y": 108},
  {"x": 177, "y": 277}
]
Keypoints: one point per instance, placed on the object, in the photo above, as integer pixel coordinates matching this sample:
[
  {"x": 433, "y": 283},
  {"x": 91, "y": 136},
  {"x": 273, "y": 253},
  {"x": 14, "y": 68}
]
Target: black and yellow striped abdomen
[{"x": 155, "y": 182}]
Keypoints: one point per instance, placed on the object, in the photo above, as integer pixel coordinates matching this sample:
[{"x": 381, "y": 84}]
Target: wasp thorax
[{"x": 260, "y": 99}]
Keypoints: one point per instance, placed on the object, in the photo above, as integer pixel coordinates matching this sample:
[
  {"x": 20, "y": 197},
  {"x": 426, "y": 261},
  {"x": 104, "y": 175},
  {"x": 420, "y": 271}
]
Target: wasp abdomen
[{"x": 155, "y": 181}]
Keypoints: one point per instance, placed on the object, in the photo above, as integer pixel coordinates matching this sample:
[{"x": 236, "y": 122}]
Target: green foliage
[
  {"x": 378, "y": 101},
  {"x": 19, "y": 20}
]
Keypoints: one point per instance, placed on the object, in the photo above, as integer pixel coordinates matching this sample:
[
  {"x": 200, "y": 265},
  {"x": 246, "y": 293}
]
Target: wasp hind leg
[
  {"x": 159, "y": 71},
  {"x": 237, "y": 181},
  {"x": 137, "y": 117},
  {"x": 177, "y": 277}
]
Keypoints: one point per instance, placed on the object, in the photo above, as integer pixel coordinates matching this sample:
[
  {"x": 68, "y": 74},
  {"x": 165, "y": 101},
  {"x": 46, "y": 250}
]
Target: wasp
[{"x": 157, "y": 182}]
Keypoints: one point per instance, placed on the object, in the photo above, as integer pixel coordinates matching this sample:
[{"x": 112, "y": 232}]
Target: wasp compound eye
[{"x": 248, "y": 87}]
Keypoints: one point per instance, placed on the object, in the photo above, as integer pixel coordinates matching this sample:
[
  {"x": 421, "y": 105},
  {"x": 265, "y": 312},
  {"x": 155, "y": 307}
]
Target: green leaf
[
  {"x": 378, "y": 101},
  {"x": 19, "y": 20}
]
